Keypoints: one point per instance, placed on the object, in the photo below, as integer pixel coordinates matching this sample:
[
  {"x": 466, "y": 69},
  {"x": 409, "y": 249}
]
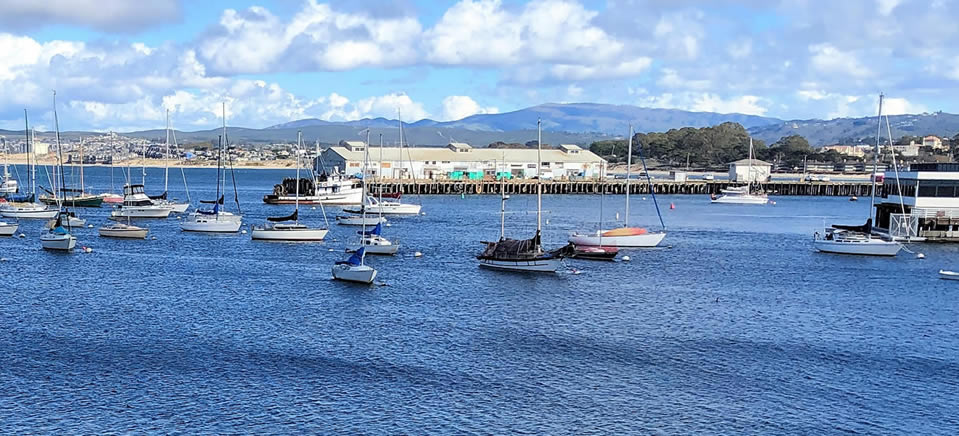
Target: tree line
[{"x": 716, "y": 146}]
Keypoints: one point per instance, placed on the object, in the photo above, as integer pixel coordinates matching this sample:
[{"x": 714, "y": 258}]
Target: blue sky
[{"x": 119, "y": 65}]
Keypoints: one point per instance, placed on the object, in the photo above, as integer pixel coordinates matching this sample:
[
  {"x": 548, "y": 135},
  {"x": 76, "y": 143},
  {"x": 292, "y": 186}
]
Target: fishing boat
[
  {"x": 280, "y": 228},
  {"x": 216, "y": 220},
  {"x": 354, "y": 269},
  {"x": 743, "y": 194},
  {"x": 859, "y": 240},
  {"x": 329, "y": 189},
  {"x": 123, "y": 231},
  {"x": 526, "y": 255},
  {"x": 28, "y": 209},
  {"x": 8, "y": 229},
  {"x": 162, "y": 200},
  {"x": 626, "y": 236},
  {"x": 137, "y": 204},
  {"x": 59, "y": 238},
  {"x": 948, "y": 275}
]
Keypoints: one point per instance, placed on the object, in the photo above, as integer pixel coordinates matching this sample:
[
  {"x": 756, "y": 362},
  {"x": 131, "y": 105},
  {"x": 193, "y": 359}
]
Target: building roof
[
  {"x": 420, "y": 154},
  {"x": 745, "y": 162}
]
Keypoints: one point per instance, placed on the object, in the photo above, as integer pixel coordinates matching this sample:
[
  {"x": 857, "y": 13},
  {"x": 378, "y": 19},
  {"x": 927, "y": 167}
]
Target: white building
[
  {"x": 741, "y": 171},
  {"x": 462, "y": 161},
  {"x": 924, "y": 203}
]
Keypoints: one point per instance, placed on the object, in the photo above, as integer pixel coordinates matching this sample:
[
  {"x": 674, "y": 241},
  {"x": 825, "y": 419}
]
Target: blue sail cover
[
  {"x": 357, "y": 258},
  {"x": 376, "y": 231},
  {"x": 216, "y": 208}
]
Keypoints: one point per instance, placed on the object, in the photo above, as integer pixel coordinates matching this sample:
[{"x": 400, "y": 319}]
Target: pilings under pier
[{"x": 692, "y": 187}]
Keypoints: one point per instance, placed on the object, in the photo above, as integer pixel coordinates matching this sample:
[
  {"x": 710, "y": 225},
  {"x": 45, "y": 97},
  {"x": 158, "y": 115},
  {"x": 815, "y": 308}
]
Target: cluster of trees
[{"x": 711, "y": 147}]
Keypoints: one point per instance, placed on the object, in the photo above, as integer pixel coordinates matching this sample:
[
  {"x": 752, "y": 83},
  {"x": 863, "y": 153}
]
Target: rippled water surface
[{"x": 736, "y": 327}]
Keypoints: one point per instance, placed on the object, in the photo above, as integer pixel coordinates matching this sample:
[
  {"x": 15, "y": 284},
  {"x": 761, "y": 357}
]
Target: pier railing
[{"x": 692, "y": 187}]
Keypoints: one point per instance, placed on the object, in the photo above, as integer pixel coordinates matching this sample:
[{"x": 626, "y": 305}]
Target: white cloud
[
  {"x": 104, "y": 15},
  {"x": 886, "y": 6},
  {"x": 706, "y": 102},
  {"x": 830, "y": 60},
  {"x": 457, "y": 107}
]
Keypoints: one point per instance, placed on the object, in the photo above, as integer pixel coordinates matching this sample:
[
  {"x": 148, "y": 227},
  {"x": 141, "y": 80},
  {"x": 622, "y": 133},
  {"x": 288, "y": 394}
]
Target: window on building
[
  {"x": 544, "y": 164},
  {"x": 927, "y": 189}
]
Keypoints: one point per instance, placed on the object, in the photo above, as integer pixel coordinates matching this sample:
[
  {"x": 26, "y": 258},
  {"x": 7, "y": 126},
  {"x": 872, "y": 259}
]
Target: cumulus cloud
[
  {"x": 103, "y": 15},
  {"x": 457, "y": 107},
  {"x": 705, "y": 102}
]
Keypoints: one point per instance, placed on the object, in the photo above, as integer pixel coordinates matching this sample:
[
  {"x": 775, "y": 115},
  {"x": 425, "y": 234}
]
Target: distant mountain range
[{"x": 576, "y": 123}]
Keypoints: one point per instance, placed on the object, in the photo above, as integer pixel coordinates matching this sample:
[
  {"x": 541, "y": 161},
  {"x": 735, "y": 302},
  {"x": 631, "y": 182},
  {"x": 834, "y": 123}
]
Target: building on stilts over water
[{"x": 921, "y": 204}]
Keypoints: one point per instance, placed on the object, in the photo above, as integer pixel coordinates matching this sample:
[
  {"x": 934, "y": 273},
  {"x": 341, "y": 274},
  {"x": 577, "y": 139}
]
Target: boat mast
[
  {"x": 56, "y": 124},
  {"x": 749, "y": 171},
  {"x": 296, "y": 200},
  {"x": 875, "y": 160},
  {"x": 166, "y": 159},
  {"x": 26, "y": 134},
  {"x": 379, "y": 177},
  {"x": 629, "y": 168},
  {"x": 113, "y": 150},
  {"x": 366, "y": 164},
  {"x": 82, "y": 190},
  {"x": 539, "y": 181},
  {"x": 502, "y": 208}
]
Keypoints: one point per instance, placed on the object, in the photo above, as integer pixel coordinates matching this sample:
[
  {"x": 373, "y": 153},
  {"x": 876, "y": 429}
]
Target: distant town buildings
[
  {"x": 856, "y": 151},
  {"x": 461, "y": 161}
]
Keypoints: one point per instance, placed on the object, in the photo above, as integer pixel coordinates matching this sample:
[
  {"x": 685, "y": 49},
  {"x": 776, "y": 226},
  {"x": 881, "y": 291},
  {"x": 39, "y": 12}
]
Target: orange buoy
[{"x": 672, "y": 205}]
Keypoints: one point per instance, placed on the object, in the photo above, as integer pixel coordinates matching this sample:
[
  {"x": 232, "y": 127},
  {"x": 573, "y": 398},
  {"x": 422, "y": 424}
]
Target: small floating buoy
[
  {"x": 89, "y": 226},
  {"x": 617, "y": 216},
  {"x": 423, "y": 213},
  {"x": 153, "y": 238},
  {"x": 417, "y": 254},
  {"x": 920, "y": 256},
  {"x": 626, "y": 259},
  {"x": 243, "y": 231},
  {"x": 772, "y": 202},
  {"x": 672, "y": 205},
  {"x": 179, "y": 217},
  {"x": 21, "y": 236},
  {"x": 87, "y": 250},
  {"x": 644, "y": 198},
  {"x": 462, "y": 195},
  {"x": 4, "y": 259},
  {"x": 575, "y": 271},
  {"x": 314, "y": 208},
  {"x": 547, "y": 221},
  {"x": 389, "y": 225}
]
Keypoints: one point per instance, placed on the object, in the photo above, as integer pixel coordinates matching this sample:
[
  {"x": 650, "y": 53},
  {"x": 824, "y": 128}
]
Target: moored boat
[
  {"x": 123, "y": 231},
  {"x": 354, "y": 269},
  {"x": 8, "y": 229},
  {"x": 948, "y": 275}
]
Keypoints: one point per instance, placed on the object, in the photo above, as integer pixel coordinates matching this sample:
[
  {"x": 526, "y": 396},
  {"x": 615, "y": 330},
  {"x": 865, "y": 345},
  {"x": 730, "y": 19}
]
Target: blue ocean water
[{"x": 736, "y": 327}]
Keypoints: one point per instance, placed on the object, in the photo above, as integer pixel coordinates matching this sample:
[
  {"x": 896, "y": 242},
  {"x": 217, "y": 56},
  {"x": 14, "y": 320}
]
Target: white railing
[
  {"x": 903, "y": 225},
  {"x": 930, "y": 213}
]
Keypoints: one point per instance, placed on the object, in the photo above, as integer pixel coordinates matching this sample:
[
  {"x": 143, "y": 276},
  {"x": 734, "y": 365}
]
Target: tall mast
[
  {"x": 33, "y": 143},
  {"x": 539, "y": 181},
  {"x": 502, "y": 209},
  {"x": 82, "y": 190},
  {"x": 875, "y": 159},
  {"x": 166, "y": 158},
  {"x": 296, "y": 200},
  {"x": 629, "y": 167},
  {"x": 56, "y": 124},
  {"x": 379, "y": 176},
  {"x": 26, "y": 134},
  {"x": 366, "y": 163},
  {"x": 749, "y": 171}
]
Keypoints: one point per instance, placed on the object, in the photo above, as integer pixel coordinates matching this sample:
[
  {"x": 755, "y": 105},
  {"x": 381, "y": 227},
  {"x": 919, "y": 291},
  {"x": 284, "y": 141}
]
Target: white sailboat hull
[
  {"x": 872, "y": 247},
  {"x": 69, "y": 222},
  {"x": 741, "y": 199},
  {"x": 354, "y": 273},
  {"x": 123, "y": 232},
  {"x": 278, "y": 233},
  {"x": 224, "y": 223},
  {"x": 394, "y": 209},
  {"x": 175, "y": 207},
  {"x": 377, "y": 245},
  {"x": 538, "y": 265},
  {"x": 51, "y": 241},
  {"x": 29, "y": 212},
  {"x": 948, "y": 275},
  {"x": 359, "y": 220},
  {"x": 141, "y": 212},
  {"x": 646, "y": 240},
  {"x": 7, "y": 229}
]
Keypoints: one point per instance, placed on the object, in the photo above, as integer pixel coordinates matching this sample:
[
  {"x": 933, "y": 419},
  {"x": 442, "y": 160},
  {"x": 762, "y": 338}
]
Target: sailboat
[
  {"x": 161, "y": 200},
  {"x": 373, "y": 240},
  {"x": 28, "y": 209},
  {"x": 8, "y": 229},
  {"x": 73, "y": 197},
  {"x": 386, "y": 207},
  {"x": 216, "y": 220},
  {"x": 626, "y": 236},
  {"x": 743, "y": 194},
  {"x": 9, "y": 185},
  {"x": 59, "y": 237},
  {"x": 280, "y": 229},
  {"x": 521, "y": 255},
  {"x": 354, "y": 269},
  {"x": 364, "y": 219},
  {"x": 841, "y": 239}
]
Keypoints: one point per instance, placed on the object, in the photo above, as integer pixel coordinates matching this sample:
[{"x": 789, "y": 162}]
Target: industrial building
[
  {"x": 741, "y": 171},
  {"x": 462, "y": 161}
]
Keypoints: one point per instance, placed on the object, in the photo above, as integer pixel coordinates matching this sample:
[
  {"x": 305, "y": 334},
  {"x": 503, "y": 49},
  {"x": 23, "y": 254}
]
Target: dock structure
[{"x": 691, "y": 187}]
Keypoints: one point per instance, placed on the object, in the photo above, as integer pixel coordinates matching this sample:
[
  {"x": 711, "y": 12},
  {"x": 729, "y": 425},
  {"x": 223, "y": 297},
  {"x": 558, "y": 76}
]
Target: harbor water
[{"x": 736, "y": 326}]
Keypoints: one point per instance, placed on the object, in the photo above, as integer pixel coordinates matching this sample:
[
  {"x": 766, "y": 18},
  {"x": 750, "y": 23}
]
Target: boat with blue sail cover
[
  {"x": 216, "y": 220},
  {"x": 354, "y": 269}
]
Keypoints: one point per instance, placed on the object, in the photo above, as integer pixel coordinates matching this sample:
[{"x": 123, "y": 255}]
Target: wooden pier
[{"x": 691, "y": 187}]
